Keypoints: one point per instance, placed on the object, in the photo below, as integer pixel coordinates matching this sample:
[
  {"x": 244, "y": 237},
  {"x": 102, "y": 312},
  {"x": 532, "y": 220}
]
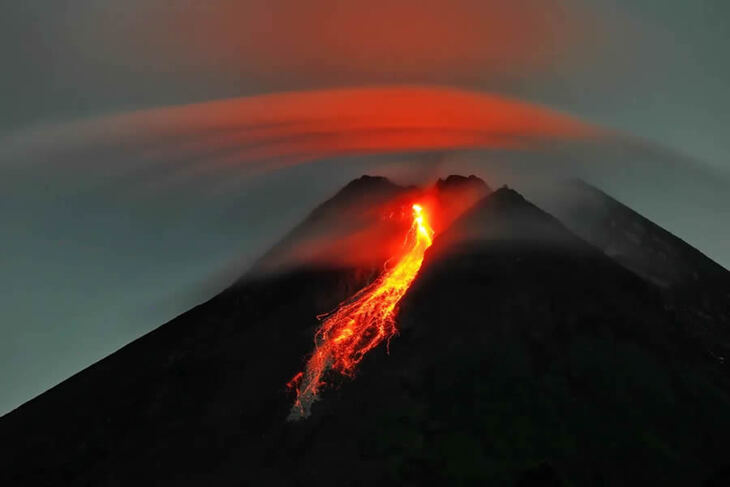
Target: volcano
[{"x": 530, "y": 350}]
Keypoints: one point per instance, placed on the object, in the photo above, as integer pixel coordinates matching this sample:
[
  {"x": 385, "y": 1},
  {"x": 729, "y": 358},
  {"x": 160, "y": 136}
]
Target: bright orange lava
[{"x": 362, "y": 322}]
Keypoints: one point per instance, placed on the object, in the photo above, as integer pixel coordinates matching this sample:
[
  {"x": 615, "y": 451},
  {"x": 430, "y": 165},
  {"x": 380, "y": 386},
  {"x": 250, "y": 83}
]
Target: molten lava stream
[{"x": 363, "y": 321}]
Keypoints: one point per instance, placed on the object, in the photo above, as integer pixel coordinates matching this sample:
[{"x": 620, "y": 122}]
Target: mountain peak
[
  {"x": 367, "y": 182},
  {"x": 327, "y": 234},
  {"x": 505, "y": 215},
  {"x": 505, "y": 194},
  {"x": 458, "y": 181}
]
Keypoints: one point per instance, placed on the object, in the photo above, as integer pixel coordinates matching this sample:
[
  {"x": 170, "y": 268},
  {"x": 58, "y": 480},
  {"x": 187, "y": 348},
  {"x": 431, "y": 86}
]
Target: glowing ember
[{"x": 362, "y": 322}]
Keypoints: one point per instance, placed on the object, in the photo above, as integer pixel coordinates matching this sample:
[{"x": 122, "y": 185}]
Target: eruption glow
[
  {"x": 282, "y": 129},
  {"x": 362, "y": 322}
]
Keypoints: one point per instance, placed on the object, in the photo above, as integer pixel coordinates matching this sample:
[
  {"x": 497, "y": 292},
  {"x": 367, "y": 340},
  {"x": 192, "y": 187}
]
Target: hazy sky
[
  {"x": 656, "y": 68},
  {"x": 97, "y": 251}
]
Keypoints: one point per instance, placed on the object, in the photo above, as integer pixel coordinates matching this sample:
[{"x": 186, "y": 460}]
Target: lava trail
[{"x": 363, "y": 321}]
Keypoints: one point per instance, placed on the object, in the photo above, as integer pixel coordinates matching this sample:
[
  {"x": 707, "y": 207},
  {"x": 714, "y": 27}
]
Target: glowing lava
[{"x": 363, "y": 321}]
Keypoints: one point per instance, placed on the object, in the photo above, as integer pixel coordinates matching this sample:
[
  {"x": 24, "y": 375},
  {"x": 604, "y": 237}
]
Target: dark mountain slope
[
  {"x": 561, "y": 356},
  {"x": 324, "y": 238},
  {"x": 693, "y": 285},
  {"x": 525, "y": 356},
  {"x": 630, "y": 239}
]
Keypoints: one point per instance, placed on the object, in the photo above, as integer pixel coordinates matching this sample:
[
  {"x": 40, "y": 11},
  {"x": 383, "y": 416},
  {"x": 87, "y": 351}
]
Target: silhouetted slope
[
  {"x": 525, "y": 356},
  {"x": 630, "y": 239},
  {"x": 322, "y": 238},
  {"x": 180, "y": 405},
  {"x": 550, "y": 352},
  {"x": 693, "y": 285}
]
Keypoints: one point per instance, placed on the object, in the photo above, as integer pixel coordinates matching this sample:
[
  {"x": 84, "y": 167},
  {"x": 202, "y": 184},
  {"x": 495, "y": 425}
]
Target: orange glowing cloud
[{"x": 292, "y": 127}]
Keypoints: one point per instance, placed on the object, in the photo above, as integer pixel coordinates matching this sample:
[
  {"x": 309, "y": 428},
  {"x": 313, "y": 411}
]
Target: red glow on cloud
[{"x": 292, "y": 127}]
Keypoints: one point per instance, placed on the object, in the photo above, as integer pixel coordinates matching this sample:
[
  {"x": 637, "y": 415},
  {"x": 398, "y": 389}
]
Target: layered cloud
[{"x": 294, "y": 127}]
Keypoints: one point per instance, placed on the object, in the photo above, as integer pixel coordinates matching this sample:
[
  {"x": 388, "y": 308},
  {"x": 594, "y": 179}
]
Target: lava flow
[{"x": 363, "y": 321}]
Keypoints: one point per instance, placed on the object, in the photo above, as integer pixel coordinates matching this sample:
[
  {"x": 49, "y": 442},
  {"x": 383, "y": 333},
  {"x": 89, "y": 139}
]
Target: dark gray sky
[{"x": 97, "y": 250}]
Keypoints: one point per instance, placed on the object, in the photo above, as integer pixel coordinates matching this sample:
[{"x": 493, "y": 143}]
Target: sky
[{"x": 103, "y": 243}]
